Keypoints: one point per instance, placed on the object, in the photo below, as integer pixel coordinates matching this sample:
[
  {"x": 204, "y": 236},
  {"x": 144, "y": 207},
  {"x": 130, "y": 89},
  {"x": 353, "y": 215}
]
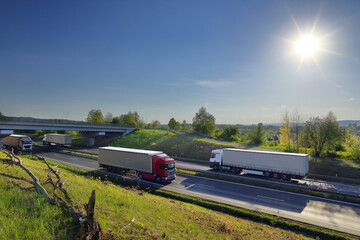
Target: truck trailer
[
  {"x": 269, "y": 164},
  {"x": 57, "y": 139},
  {"x": 151, "y": 165},
  {"x": 18, "y": 142}
]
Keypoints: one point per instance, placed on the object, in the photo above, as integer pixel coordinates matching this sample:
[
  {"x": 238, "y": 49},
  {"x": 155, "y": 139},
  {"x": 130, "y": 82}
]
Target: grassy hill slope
[{"x": 173, "y": 144}]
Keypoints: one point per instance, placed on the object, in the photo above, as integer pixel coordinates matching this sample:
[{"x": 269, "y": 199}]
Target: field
[{"x": 26, "y": 215}]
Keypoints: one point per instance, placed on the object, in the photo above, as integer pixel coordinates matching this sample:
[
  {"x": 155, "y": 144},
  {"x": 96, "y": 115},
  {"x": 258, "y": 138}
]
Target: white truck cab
[{"x": 215, "y": 158}]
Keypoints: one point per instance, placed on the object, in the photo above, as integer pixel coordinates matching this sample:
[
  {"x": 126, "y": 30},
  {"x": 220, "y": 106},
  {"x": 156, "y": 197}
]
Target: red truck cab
[{"x": 163, "y": 169}]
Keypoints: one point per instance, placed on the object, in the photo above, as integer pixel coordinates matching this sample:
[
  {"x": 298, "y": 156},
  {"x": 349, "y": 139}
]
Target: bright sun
[{"x": 307, "y": 46}]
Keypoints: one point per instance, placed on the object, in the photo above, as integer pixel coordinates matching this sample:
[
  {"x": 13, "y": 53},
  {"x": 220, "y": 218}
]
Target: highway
[{"x": 341, "y": 216}]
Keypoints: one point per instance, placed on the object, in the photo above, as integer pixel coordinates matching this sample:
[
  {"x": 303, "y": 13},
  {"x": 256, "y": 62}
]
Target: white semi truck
[
  {"x": 269, "y": 164},
  {"x": 18, "y": 142},
  {"x": 151, "y": 165},
  {"x": 57, "y": 139}
]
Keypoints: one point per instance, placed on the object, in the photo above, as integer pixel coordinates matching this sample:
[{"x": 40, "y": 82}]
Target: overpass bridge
[{"x": 85, "y": 129}]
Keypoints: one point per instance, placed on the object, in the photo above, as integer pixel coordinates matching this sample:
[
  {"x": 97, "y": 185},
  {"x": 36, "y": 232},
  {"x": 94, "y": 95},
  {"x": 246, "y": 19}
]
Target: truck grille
[{"x": 171, "y": 174}]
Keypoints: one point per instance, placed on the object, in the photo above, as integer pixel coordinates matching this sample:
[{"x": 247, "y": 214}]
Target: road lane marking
[
  {"x": 309, "y": 197},
  {"x": 275, "y": 199}
]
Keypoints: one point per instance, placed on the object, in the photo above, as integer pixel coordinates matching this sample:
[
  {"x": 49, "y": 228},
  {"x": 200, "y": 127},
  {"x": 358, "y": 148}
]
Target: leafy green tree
[
  {"x": 108, "y": 118},
  {"x": 204, "y": 122},
  {"x": 131, "y": 118},
  {"x": 352, "y": 143},
  {"x": 321, "y": 133},
  {"x": 116, "y": 120},
  {"x": 285, "y": 131},
  {"x": 231, "y": 133},
  {"x": 173, "y": 124},
  {"x": 95, "y": 116},
  {"x": 155, "y": 124},
  {"x": 2, "y": 116},
  {"x": 184, "y": 125},
  {"x": 257, "y": 134},
  {"x": 296, "y": 126}
]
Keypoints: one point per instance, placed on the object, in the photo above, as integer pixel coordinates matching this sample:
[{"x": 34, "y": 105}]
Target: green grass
[
  {"x": 332, "y": 168},
  {"x": 26, "y": 215},
  {"x": 81, "y": 153},
  {"x": 175, "y": 145}
]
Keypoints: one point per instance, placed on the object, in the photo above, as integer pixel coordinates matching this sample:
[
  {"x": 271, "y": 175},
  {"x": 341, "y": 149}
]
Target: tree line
[{"x": 320, "y": 135}]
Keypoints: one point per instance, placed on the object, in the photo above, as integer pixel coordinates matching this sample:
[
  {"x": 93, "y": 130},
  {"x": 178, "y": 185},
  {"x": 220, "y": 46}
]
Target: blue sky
[{"x": 59, "y": 59}]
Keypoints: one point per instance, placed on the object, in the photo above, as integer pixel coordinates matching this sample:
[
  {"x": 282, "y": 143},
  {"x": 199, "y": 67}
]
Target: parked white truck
[
  {"x": 151, "y": 165},
  {"x": 57, "y": 139},
  {"x": 269, "y": 164},
  {"x": 18, "y": 142}
]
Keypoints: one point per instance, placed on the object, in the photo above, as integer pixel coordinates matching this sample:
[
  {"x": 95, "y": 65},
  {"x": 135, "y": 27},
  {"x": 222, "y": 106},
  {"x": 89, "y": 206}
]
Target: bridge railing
[{"x": 64, "y": 122}]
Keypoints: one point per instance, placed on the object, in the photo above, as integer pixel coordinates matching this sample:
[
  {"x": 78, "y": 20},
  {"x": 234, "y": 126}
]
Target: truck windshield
[{"x": 167, "y": 166}]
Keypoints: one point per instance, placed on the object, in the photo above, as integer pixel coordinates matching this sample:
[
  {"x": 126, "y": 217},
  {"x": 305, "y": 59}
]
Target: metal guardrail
[{"x": 58, "y": 122}]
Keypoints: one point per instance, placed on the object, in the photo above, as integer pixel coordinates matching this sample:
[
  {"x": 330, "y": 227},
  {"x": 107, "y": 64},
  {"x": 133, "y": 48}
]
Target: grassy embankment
[
  {"x": 182, "y": 146},
  {"x": 173, "y": 144},
  {"x": 27, "y": 215}
]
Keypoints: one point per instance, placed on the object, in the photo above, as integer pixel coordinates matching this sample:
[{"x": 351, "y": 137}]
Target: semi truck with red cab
[{"x": 150, "y": 165}]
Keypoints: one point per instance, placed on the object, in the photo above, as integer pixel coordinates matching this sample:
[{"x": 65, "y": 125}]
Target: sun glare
[{"x": 307, "y": 46}]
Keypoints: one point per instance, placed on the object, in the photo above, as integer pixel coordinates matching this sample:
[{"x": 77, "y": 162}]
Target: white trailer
[
  {"x": 18, "y": 142},
  {"x": 57, "y": 139},
  {"x": 151, "y": 165},
  {"x": 270, "y": 164}
]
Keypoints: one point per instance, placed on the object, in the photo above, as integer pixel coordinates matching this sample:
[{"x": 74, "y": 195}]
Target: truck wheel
[
  {"x": 216, "y": 168},
  {"x": 275, "y": 175},
  {"x": 284, "y": 177},
  {"x": 158, "y": 179},
  {"x": 267, "y": 174}
]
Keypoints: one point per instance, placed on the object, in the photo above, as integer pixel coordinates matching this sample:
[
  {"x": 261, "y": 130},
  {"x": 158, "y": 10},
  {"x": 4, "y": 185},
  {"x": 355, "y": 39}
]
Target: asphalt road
[{"x": 328, "y": 213}]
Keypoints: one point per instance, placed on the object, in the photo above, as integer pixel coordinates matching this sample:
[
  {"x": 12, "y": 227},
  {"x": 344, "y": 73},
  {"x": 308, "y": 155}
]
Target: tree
[
  {"x": 321, "y": 133},
  {"x": 116, "y": 120},
  {"x": 230, "y": 133},
  {"x": 284, "y": 137},
  {"x": 257, "y": 134},
  {"x": 95, "y": 116},
  {"x": 173, "y": 124},
  {"x": 2, "y": 116},
  {"x": 130, "y": 118},
  {"x": 204, "y": 122},
  {"x": 184, "y": 125},
  {"x": 296, "y": 125},
  {"x": 108, "y": 118},
  {"x": 352, "y": 143},
  {"x": 155, "y": 124}
]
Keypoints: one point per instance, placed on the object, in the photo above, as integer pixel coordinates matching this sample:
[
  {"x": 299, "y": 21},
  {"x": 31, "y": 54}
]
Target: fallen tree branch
[
  {"x": 35, "y": 181},
  {"x": 127, "y": 225},
  {"x": 21, "y": 187},
  {"x": 59, "y": 184},
  {"x": 17, "y": 178},
  {"x": 93, "y": 229}
]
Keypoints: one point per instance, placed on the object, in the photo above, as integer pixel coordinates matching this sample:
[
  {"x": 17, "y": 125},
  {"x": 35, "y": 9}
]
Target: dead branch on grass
[{"x": 93, "y": 229}]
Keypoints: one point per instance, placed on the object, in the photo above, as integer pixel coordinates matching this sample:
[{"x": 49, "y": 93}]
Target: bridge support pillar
[
  {"x": 90, "y": 136},
  {"x": 90, "y": 142}
]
